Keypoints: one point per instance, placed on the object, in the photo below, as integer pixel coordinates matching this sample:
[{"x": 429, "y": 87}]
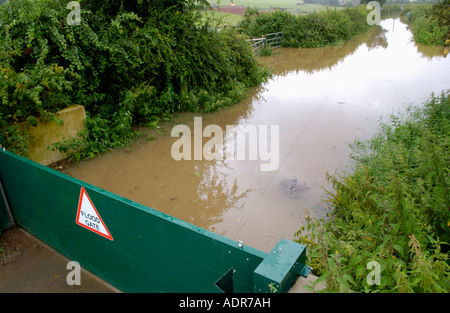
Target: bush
[
  {"x": 127, "y": 63},
  {"x": 317, "y": 29},
  {"x": 392, "y": 209}
]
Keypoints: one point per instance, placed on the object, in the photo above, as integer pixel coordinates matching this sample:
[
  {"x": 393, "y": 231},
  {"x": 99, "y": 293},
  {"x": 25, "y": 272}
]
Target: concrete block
[{"x": 48, "y": 133}]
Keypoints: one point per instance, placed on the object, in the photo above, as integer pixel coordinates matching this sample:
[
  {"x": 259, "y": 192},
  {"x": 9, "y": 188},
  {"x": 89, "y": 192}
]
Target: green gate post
[{"x": 280, "y": 268}]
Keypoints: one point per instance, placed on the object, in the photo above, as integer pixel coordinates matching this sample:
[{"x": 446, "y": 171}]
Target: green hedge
[
  {"x": 425, "y": 25},
  {"x": 317, "y": 29}
]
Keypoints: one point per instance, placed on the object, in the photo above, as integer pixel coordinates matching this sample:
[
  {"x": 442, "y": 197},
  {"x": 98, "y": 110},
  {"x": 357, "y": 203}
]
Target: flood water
[{"x": 321, "y": 98}]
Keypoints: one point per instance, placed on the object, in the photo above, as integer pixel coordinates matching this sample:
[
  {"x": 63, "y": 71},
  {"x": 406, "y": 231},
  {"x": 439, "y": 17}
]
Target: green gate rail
[
  {"x": 148, "y": 251},
  {"x": 5, "y": 212}
]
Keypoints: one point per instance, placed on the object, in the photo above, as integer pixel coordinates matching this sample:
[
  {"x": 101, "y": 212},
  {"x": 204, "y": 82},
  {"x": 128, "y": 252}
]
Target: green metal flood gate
[{"x": 133, "y": 247}]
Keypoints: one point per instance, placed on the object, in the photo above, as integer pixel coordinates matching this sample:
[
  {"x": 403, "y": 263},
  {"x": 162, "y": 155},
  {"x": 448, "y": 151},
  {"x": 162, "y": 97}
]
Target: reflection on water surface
[{"x": 321, "y": 98}]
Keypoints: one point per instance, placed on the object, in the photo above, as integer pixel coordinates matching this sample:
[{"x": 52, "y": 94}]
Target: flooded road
[{"x": 321, "y": 99}]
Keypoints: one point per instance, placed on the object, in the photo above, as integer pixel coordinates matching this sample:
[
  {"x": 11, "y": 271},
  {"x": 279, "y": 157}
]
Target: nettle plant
[{"x": 392, "y": 209}]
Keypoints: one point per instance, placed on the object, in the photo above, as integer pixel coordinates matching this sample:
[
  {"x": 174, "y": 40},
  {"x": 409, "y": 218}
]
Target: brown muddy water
[{"x": 322, "y": 99}]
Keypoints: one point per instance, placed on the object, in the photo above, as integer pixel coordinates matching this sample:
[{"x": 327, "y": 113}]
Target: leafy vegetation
[
  {"x": 392, "y": 209},
  {"x": 128, "y": 62},
  {"x": 430, "y": 24},
  {"x": 317, "y": 29}
]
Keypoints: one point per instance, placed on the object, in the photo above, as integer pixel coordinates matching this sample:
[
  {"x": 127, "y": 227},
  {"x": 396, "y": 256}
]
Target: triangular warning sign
[{"x": 88, "y": 217}]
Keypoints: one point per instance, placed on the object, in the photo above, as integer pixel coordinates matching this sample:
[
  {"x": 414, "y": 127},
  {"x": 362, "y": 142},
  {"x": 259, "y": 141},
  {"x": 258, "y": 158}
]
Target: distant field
[{"x": 232, "y": 15}]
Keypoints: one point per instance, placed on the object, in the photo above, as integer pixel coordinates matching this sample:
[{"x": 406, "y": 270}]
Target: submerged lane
[{"x": 321, "y": 98}]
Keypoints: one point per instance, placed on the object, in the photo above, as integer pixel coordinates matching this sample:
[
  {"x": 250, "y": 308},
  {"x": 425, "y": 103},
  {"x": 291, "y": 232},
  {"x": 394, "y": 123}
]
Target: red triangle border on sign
[{"x": 108, "y": 236}]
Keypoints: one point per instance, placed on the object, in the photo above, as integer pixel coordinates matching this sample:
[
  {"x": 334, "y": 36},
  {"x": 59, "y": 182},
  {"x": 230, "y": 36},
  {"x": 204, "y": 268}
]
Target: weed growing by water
[{"x": 392, "y": 209}]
